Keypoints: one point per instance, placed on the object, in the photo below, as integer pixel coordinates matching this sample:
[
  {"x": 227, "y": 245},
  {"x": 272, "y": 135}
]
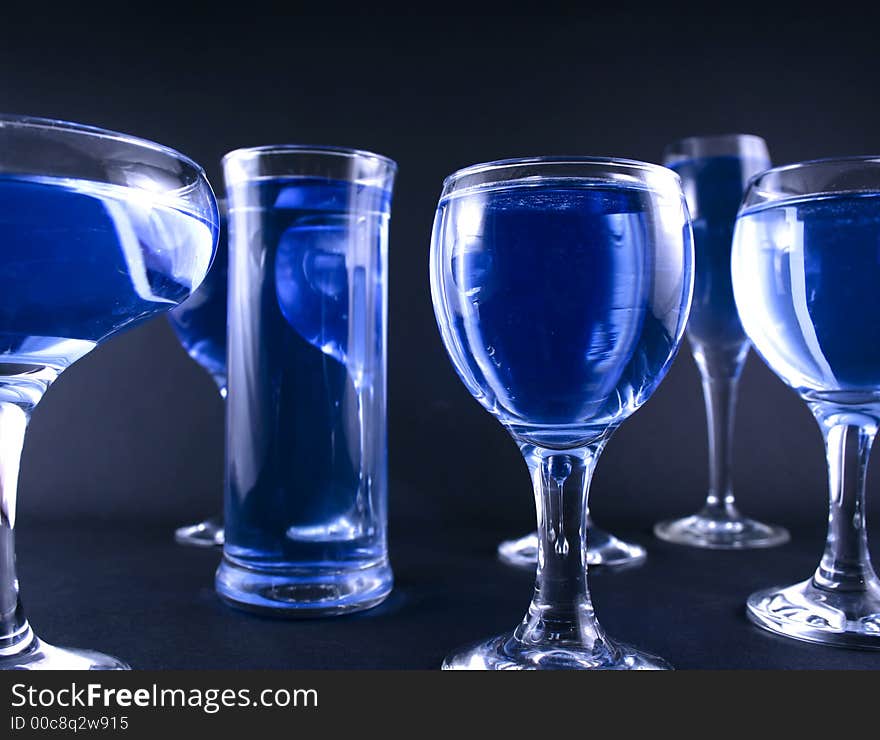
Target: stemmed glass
[
  {"x": 200, "y": 325},
  {"x": 603, "y": 549},
  {"x": 714, "y": 171},
  {"x": 98, "y": 232},
  {"x": 561, "y": 287},
  {"x": 806, "y": 277}
]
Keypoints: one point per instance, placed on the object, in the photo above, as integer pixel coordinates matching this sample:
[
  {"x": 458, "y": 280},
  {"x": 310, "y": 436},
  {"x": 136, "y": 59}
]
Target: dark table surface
[{"x": 125, "y": 588}]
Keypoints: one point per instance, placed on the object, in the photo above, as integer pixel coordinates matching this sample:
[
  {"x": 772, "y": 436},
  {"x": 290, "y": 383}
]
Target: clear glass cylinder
[{"x": 306, "y": 460}]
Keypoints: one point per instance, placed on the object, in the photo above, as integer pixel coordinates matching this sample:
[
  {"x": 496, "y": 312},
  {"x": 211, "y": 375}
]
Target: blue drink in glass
[
  {"x": 806, "y": 275},
  {"x": 561, "y": 289},
  {"x": 715, "y": 186},
  {"x": 306, "y": 455},
  {"x": 615, "y": 213},
  {"x": 99, "y": 231},
  {"x": 563, "y": 339},
  {"x": 200, "y": 325},
  {"x": 714, "y": 171},
  {"x": 815, "y": 268},
  {"x": 82, "y": 260}
]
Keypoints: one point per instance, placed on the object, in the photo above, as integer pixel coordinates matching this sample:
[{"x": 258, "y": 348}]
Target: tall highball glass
[
  {"x": 714, "y": 171},
  {"x": 561, "y": 288},
  {"x": 306, "y": 453},
  {"x": 806, "y": 276},
  {"x": 99, "y": 231}
]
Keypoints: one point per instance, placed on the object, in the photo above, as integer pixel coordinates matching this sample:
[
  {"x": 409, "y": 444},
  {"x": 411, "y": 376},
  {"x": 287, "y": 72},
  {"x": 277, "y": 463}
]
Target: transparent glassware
[
  {"x": 603, "y": 549},
  {"x": 561, "y": 288},
  {"x": 99, "y": 231},
  {"x": 200, "y": 325},
  {"x": 806, "y": 276},
  {"x": 714, "y": 171},
  {"x": 306, "y": 453}
]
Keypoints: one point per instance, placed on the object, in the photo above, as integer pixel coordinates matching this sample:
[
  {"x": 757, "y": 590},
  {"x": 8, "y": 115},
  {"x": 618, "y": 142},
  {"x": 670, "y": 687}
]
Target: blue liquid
[
  {"x": 565, "y": 304},
  {"x": 715, "y": 186},
  {"x": 200, "y": 321},
  {"x": 306, "y": 479},
  {"x": 807, "y": 277},
  {"x": 81, "y": 260}
]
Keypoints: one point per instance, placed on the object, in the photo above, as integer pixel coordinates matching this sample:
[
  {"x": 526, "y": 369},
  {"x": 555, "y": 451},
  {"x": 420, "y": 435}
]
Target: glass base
[
  {"x": 303, "y": 592},
  {"x": 807, "y": 612},
  {"x": 208, "y": 533},
  {"x": 603, "y": 549},
  {"x": 506, "y": 653},
  {"x": 721, "y": 532},
  {"x": 39, "y": 656}
]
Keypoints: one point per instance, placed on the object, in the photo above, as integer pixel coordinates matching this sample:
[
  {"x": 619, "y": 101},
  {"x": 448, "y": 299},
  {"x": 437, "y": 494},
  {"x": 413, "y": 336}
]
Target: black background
[{"x": 128, "y": 444}]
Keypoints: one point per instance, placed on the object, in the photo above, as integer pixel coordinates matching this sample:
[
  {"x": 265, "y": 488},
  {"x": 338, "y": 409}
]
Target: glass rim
[
  {"x": 56, "y": 124},
  {"x": 623, "y": 164},
  {"x": 809, "y": 163},
  {"x": 343, "y": 152},
  {"x": 770, "y": 185}
]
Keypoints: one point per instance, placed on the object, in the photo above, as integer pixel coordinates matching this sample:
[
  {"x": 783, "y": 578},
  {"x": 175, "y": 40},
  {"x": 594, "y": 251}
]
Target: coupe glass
[
  {"x": 714, "y": 171},
  {"x": 806, "y": 276},
  {"x": 561, "y": 287},
  {"x": 98, "y": 232},
  {"x": 200, "y": 325}
]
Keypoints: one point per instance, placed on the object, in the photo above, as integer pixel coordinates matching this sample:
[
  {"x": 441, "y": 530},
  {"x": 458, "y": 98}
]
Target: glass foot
[
  {"x": 39, "y": 656},
  {"x": 721, "y": 532},
  {"x": 603, "y": 548},
  {"x": 807, "y": 612},
  {"x": 507, "y": 653},
  {"x": 303, "y": 592},
  {"x": 208, "y": 533}
]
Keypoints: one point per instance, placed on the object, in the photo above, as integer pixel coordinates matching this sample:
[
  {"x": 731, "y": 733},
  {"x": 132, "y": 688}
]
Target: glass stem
[
  {"x": 720, "y": 370},
  {"x": 846, "y": 563},
  {"x": 561, "y": 611},
  {"x": 15, "y": 634},
  {"x": 720, "y": 397}
]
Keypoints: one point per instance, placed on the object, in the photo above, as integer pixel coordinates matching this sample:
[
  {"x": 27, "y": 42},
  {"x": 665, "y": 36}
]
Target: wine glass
[
  {"x": 200, "y": 325},
  {"x": 714, "y": 171},
  {"x": 561, "y": 287},
  {"x": 806, "y": 277},
  {"x": 98, "y": 232}
]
